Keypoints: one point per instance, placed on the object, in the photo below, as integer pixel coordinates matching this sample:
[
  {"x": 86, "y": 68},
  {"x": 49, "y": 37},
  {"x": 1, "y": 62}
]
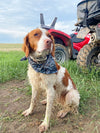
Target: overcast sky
[{"x": 18, "y": 17}]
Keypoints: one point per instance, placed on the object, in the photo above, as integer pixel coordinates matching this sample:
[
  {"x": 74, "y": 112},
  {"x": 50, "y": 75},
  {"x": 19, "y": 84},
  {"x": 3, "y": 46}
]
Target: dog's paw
[
  {"x": 62, "y": 113},
  {"x": 27, "y": 112},
  {"x": 43, "y": 127},
  {"x": 44, "y": 102}
]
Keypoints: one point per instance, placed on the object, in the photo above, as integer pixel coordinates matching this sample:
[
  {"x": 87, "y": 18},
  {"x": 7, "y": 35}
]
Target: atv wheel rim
[
  {"x": 95, "y": 61},
  {"x": 94, "y": 58},
  {"x": 60, "y": 56}
]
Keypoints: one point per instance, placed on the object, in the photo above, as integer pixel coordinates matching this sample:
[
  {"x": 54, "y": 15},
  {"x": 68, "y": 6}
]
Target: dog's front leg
[
  {"x": 33, "y": 102},
  {"x": 50, "y": 98}
]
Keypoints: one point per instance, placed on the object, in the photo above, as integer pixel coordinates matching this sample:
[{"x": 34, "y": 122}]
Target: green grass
[
  {"x": 88, "y": 84},
  {"x": 11, "y": 67}
]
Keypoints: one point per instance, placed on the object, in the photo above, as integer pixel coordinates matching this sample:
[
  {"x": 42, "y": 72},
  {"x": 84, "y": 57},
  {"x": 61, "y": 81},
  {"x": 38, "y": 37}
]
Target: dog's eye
[
  {"x": 36, "y": 34},
  {"x": 49, "y": 35}
]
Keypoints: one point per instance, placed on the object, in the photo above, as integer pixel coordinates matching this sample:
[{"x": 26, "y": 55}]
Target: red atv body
[
  {"x": 77, "y": 43},
  {"x": 71, "y": 43}
]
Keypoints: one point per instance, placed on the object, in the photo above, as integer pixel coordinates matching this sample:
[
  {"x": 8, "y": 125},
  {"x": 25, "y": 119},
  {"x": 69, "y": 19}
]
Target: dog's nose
[{"x": 48, "y": 43}]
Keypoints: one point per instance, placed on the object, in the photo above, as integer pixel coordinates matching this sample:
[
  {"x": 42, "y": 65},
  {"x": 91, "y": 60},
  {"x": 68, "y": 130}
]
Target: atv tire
[
  {"x": 89, "y": 56},
  {"x": 61, "y": 53}
]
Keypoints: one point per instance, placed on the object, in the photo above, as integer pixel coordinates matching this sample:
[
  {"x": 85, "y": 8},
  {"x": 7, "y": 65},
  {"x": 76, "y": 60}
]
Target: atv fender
[{"x": 61, "y": 35}]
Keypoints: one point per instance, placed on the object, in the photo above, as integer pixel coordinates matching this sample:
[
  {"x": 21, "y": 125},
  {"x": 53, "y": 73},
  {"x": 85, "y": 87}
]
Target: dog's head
[{"x": 38, "y": 40}]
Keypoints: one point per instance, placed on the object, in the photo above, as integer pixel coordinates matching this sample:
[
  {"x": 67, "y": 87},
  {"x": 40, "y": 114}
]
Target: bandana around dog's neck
[{"x": 47, "y": 67}]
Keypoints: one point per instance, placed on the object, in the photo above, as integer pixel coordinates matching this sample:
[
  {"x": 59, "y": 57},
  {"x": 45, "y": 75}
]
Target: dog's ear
[
  {"x": 26, "y": 46},
  {"x": 53, "y": 49}
]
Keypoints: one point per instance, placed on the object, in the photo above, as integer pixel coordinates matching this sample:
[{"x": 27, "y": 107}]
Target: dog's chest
[{"x": 40, "y": 80}]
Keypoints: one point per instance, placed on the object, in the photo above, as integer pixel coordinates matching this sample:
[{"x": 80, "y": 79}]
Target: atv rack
[{"x": 42, "y": 23}]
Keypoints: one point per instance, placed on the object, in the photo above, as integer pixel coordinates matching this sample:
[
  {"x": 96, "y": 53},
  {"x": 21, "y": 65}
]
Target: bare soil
[
  {"x": 14, "y": 99},
  {"x": 10, "y": 49}
]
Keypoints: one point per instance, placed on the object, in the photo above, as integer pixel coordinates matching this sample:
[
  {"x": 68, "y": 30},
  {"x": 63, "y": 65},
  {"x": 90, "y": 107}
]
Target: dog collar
[{"x": 47, "y": 67}]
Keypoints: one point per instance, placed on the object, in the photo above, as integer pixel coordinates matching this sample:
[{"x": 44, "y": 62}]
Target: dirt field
[
  {"x": 10, "y": 47},
  {"x": 14, "y": 100}
]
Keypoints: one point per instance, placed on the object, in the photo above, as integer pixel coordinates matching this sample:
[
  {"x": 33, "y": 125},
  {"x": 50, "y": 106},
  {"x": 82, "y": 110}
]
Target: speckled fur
[{"x": 58, "y": 86}]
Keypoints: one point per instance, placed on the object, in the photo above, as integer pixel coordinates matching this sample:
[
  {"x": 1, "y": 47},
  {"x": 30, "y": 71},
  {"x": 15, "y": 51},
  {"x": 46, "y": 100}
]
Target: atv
[
  {"x": 66, "y": 46},
  {"x": 88, "y": 14},
  {"x": 84, "y": 43}
]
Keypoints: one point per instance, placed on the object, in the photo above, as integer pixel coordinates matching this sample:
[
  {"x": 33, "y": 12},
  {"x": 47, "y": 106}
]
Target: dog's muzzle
[{"x": 40, "y": 56}]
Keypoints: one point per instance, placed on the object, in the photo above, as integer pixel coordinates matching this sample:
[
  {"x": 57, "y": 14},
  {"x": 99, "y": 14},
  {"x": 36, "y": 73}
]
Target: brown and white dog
[{"x": 58, "y": 85}]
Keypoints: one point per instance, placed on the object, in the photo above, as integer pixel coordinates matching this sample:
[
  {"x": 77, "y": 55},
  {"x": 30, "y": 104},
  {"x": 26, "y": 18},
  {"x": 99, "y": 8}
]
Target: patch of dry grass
[{"x": 10, "y": 47}]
